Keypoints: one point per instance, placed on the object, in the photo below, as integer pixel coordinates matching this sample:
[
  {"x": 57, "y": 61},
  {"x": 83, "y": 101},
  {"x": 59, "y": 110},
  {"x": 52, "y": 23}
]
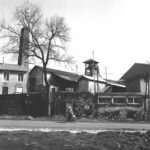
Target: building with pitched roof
[
  {"x": 14, "y": 77},
  {"x": 91, "y": 84},
  {"x": 137, "y": 78},
  {"x": 60, "y": 80},
  {"x": 68, "y": 81}
]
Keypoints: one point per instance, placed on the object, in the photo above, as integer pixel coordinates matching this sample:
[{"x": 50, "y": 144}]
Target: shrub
[{"x": 119, "y": 113}]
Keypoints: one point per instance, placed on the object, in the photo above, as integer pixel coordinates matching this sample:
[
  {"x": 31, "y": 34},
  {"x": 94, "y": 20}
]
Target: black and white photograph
[{"x": 74, "y": 75}]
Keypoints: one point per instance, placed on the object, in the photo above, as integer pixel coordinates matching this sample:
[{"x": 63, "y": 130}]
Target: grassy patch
[{"x": 24, "y": 140}]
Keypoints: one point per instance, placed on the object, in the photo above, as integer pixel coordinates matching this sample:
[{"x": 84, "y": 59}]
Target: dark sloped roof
[
  {"x": 89, "y": 61},
  {"x": 12, "y": 67},
  {"x": 63, "y": 74},
  {"x": 116, "y": 84},
  {"x": 138, "y": 69}
]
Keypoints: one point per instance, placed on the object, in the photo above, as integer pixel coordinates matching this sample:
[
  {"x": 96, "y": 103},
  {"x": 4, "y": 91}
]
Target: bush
[
  {"x": 117, "y": 113},
  {"x": 85, "y": 106}
]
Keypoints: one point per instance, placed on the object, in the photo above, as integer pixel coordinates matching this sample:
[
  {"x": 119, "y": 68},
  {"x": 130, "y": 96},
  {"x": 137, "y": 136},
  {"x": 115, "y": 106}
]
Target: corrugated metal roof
[
  {"x": 63, "y": 74},
  {"x": 69, "y": 78},
  {"x": 12, "y": 67},
  {"x": 116, "y": 84},
  {"x": 94, "y": 79}
]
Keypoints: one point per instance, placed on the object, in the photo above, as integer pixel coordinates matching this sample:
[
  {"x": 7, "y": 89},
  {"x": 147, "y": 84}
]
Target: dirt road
[
  {"x": 32, "y": 124},
  {"x": 65, "y": 140}
]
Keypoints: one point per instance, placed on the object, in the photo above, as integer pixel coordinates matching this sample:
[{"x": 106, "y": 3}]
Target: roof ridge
[
  {"x": 12, "y": 67},
  {"x": 59, "y": 70},
  {"x": 142, "y": 64},
  {"x": 9, "y": 64}
]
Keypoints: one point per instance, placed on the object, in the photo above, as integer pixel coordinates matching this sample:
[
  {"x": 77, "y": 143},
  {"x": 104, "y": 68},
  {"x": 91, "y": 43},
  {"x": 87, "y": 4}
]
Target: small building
[
  {"x": 91, "y": 68},
  {"x": 134, "y": 99},
  {"x": 91, "y": 84},
  {"x": 137, "y": 78},
  {"x": 67, "y": 81},
  {"x": 60, "y": 80},
  {"x": 14, "y": 77},
  {"x": 63, "y": 81},
  {"x": 92, "y": 81}
]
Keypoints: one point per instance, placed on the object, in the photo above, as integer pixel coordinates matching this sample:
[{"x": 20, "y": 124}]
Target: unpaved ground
[
  {"x": 25, "y": 140},
  {"x": 36, "y": 140},
  {"x": 32, "y": 124}
]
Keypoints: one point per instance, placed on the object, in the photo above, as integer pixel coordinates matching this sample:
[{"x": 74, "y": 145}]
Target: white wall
[
  {"x": 98, "y": 87},
  {"x": 13, "y": 82},
  {"x": 143, "y": 86},
  {"x": 88, "y": 86}
]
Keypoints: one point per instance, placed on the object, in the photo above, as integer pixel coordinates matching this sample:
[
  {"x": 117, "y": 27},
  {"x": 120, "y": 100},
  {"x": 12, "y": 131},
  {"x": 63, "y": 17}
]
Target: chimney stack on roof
[{"x": 24, "y": 47}]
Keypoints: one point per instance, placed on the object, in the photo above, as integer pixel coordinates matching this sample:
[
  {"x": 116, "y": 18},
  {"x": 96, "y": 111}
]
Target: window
[
  {"x": 119, "y": 100},
  {"x": 104, "y": 100},
  {"x": 130, "y": 100},
  {"x": 137, "y": 100},
  {"x": 69, "y": 89},
  {"x": 6, "y": 76},
  {"x": 20, "y": 77},
  {"x": 19, "y": 90},
  {"x": 134, "y": 100},
  {"x": 53, "y": 90},
  {"x": 5, "y": 90}
]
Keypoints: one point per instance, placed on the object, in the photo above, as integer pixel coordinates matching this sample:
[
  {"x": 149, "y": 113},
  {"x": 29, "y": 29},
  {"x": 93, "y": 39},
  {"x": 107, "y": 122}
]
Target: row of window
[
  {"x": 66, "y": 89},
  {"x": 120, "y": 100},
  {"x": 5, "y": 90},
  {"x": 7, "y": 76}
]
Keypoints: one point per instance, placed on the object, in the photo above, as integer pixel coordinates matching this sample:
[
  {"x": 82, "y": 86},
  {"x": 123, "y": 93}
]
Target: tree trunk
[
  {"x": 48, "y": 93},
  {"x": 49, "y": 102}
]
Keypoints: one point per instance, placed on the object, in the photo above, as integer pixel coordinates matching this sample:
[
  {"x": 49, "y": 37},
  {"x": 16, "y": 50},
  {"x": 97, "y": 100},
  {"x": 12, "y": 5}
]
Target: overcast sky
[{"x": 118, "y": 31}]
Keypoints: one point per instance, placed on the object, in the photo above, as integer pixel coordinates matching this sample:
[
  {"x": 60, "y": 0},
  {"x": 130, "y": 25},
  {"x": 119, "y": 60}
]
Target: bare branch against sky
[
  {"x": 43, "y": 40},
  {"x": 117, "y": 30}
]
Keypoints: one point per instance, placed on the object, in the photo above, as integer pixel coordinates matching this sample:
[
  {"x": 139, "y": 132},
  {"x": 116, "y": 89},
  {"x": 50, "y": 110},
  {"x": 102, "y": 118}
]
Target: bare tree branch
[{"x": 47, "y": 38}]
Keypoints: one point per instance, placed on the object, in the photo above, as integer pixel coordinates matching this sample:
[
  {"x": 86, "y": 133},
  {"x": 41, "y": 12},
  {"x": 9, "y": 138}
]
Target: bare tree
[{"x": 47, "y": 38}]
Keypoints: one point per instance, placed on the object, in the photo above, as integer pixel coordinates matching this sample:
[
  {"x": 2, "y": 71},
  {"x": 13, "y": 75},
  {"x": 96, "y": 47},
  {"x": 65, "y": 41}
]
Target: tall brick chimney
[{"x": 24, "y": 48}]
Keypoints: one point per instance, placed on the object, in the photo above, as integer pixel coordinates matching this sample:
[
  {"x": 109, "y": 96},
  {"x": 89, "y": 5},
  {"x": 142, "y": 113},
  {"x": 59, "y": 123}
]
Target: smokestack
[{"x": 24, "y": 47}]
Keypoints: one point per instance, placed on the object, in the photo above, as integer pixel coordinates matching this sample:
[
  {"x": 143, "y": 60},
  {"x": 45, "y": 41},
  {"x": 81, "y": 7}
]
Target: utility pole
[
  {"x": 106, "y": 73},
  {"x": 93, "y": 73},
  {"x": 148, "y": 103},
  {"x": 147, "y": 96},
  {"x": 97, "y": 78}
]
